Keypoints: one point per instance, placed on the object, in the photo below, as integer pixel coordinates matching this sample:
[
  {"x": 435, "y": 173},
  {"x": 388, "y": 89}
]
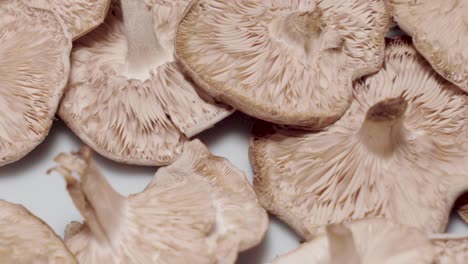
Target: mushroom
[
  {"x": 79, "y": 16},
  {"x": 200, "y": 209},
  {"x": 24, "y": 238},
  {"x": 439, "y": 32},
  {"x": 399, "y": 152},
  {"x": 462, "y": 207},
  {"x": 34, "y": 70},
  {"x": 288, "y": 62},
  {"x": 378, "y": 241},
  {"x": 127, "y": 98}
]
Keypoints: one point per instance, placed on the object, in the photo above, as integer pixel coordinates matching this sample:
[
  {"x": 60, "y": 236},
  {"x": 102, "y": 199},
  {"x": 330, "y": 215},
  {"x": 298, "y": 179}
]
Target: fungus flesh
[
  {"x": 372, "y": 241},
  {"x": 34, "y": 70},
  {"x": 439, "y": 29},
  {"x": 24, "y": 238},
  {"x": 399, "y": 152},
  {"x": 79, "y": 16},
  {"x": 126, "y": 97},
  {"x": 200, "y": 209},
  {"x": 288, "y": 62}
]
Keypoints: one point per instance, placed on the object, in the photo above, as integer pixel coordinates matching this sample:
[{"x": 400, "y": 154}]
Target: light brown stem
[
  {"x": 144, "y": 49},
  {"x": 383, "y": 129}
]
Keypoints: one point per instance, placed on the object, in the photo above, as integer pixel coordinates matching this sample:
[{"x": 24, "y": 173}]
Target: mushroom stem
[
  {"x": 144, "y": 49},
  {"x": 341, "y": 244},
  {"x": 383, "y": 127}
]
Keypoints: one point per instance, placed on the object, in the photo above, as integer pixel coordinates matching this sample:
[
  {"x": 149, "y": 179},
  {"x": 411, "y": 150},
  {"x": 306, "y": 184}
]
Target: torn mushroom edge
[
  {"x": 302, "y": 121},
  {"x": 56, "y": 96}
]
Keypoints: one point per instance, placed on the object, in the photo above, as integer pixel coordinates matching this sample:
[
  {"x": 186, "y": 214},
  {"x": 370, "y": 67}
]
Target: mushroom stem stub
[
  {"x": 383, "y": 127},
  {"x": 143, "y": 45}
]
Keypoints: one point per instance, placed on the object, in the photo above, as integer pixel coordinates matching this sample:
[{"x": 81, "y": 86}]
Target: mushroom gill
[{"x": 404, "y": 133}]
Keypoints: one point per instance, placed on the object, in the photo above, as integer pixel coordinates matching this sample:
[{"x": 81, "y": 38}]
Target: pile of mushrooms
[{"x": 361, "y": 142}]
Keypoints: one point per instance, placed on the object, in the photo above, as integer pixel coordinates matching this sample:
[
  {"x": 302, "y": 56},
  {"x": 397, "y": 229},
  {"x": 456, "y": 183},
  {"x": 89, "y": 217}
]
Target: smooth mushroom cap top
[
  {"x": 24, "y": 238},
  {"x": 198, "y": 210},
  {"x": 364, "y": 242},
  {"x": 34, "y": 70},
  {"x": 440, "y": 33},
  {"x": 288, "y": 62},
  {"x": 79, "y": 16},
  {"x": 399, "y": 152},
  {"x": 127, "y": 98}
]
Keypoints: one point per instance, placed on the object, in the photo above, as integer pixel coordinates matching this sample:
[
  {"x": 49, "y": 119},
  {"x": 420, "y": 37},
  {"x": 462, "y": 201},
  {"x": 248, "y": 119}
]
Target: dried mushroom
[
  {"x": 398, "y": 153},
  {"x": 34, "y": 70},
  {"x": 24, "y": 238},
  {"x": 127, "y": 98},
  {"x": 200, "y": 209},
  {"x": 373, "y": 241},
  {"x": 440, "y": 33},
  {"x": 79, "y": 16},
  {"x": 288, "y": 62}
]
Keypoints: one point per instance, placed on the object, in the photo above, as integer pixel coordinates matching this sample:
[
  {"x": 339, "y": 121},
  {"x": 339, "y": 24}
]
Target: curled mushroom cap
[
  {"x": 34, "y": 70},
  {"x": 126, "y": 97},
  {"x": 24, "y": 238},
  {"x": 200, "y": 209},
  {"x": 404, "y": 133},
  {"x": 288, "y": 62},
  {"x": 79, "y": 16},
  {"x": 372, "y": 241},
  {"x": 440, "y": 33}
]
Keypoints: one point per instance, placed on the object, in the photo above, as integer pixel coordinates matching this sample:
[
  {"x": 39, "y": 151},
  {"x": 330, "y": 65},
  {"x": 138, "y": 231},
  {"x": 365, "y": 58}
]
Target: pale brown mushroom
[
  {"x": 34, "y": 68},
  {"x": 200, "y": 209},
  {"x": 439, "y": 29},
  {"x": 127, "y": 98},
  {"x": 79, "y": 16},
  {"x": 399, "y": 152},
  {"x": 373, "y": 241},
  {"x": 24, "y": 238},
  {"x": 289, "y": 62}
]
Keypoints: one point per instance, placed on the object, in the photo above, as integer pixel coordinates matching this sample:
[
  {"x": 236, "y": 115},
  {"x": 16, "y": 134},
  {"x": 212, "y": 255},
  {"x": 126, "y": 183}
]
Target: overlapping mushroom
[
  {"x": 399, "y": 152},
  {"x": 378, "y": 241},
  {"x": 289, "y": 62},
  {"x": 127, "y": 98},
  {"x": 26, "y": 239},
  {"x": 200, "y": 209}
]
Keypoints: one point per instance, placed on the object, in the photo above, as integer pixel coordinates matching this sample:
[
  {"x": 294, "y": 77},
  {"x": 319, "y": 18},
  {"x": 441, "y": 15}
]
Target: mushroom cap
[
  {"x": 131, "y": 120},
  {"x": 450, "y": 249},
  {"x": 241, "y": 222},
  {"x": 366, "y": 241},
  {"x": 200, "y": 209},
  {"x": 24, "y": 238},
  {"x": 34, "y": 70},
  {"x": 288, "y": 62},
  {"x": 79, "y": 16},
  {"x": 439, "y": 31},
  {"x": 410, "y": 170}
]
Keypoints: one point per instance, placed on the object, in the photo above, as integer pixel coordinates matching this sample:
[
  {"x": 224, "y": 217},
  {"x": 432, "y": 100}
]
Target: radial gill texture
[
  {"x": 138, "y": 121},
  {"x": 34, "y": 70},
  {"x": 399, "y": 152},
  {"x": 79, "y": 16},
  {"x": 440, "y": 33},
  {"x": 288, "y": 62}
]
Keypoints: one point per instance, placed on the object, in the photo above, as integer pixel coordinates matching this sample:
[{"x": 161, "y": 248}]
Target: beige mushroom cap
[
  {"x": 200, "y": 209},
  {"x": 34, "y": 70},
  {"x": 440, "y": 33},
  {"x": 399, "y": 152},
  {"x": 373, "y": 241},
  {"x": 126, "y": 98},
  {"x": 24, "y": 238},
  {"x": 288, "y": 62},
  {"x": 79, "y": 16}
]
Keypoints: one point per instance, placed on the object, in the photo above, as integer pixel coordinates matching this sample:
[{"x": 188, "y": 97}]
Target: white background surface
[{"x": 26, "y": 182}]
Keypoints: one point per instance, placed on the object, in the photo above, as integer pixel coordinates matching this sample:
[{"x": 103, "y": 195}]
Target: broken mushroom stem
[
  {"x": 383, "y": 127},
  {"x": 94, "y": 197},
  {"x": 143, "y": 45}
]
